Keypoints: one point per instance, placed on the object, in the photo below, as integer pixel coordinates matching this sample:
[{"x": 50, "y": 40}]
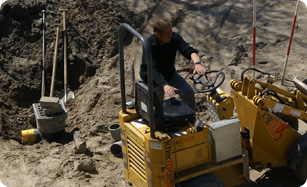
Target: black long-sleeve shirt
[{"x": 163, "y": 58}]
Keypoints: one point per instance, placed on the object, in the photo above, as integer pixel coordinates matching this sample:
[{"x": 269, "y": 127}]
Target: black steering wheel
[{"x": 210, "y": 85}]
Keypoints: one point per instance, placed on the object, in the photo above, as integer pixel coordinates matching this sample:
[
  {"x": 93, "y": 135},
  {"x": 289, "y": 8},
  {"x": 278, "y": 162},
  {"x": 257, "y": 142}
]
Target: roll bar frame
[{"x": 121, "y": 32}]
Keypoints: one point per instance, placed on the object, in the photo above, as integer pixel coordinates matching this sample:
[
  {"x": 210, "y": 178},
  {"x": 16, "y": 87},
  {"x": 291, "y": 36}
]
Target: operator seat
[{"x": 169, "y": 114}]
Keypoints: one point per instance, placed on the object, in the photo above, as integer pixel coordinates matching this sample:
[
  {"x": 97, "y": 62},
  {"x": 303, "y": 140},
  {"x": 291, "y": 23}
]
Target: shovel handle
[{"x": 54, "y": 61}]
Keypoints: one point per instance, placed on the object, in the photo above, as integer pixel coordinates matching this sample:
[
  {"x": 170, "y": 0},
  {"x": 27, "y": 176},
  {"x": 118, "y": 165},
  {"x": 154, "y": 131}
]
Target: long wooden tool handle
[{"x": 54, "y": 61}]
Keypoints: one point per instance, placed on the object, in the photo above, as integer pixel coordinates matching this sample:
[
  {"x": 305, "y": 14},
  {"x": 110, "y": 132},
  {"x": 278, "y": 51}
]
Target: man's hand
[
  {"x": 199, "y": 69},
  {"x": 169, "y": 90}
]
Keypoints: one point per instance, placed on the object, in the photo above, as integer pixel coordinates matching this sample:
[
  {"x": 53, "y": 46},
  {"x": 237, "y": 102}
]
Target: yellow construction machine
[
  {"x": 268, "y": 120},
  {"x": 164, "y": 145}
]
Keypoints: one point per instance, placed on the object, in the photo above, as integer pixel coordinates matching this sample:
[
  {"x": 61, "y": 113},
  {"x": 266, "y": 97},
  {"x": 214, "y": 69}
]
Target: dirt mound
[{"x": 92, "y": 37}]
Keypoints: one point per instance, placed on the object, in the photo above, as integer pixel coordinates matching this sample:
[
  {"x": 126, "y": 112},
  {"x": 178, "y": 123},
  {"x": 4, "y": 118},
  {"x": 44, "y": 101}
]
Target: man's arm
[
  {"x": 190, "y": 53},
  {"x": 199, "y": 69}
]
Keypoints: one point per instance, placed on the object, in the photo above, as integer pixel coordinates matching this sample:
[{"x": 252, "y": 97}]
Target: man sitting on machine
[{"x": 164, "y": 45}]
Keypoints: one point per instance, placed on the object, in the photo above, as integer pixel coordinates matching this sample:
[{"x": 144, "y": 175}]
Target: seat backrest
[
  {"x": 142, "y": 104},
  {"x": 171, "y": 112}
]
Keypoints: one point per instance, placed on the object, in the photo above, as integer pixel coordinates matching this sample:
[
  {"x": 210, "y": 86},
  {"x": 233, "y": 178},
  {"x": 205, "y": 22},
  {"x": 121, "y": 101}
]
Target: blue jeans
[{"x": 185, "y": 91}]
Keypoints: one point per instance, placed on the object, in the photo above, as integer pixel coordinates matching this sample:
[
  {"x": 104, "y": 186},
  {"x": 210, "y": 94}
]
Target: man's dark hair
[{"x": 161, "y": 24}]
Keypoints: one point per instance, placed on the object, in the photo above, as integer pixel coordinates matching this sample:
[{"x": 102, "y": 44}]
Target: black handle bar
[{"x": 121, "y": 32}]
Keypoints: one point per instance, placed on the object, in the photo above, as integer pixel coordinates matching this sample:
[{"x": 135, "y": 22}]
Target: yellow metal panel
[
  {"x": 194, "y": 156},
  {"x": 161, "y": 162},
  {"x": 294, "y": 112},
  {"x": 270, "y": 138},
  {"x": 226, "y": 108},
  {"x": 246, "y": 110},
  {"x": 222, "y": 109},
  {"x": 190, "y": 150},
  {"x": 171, "y": 155},
  {"x": 134, "y": 134},
  {"x": 264, "y": 149},
  {"x": 273, "y": 140},
  {"x": 135, "y": 179},
  {"x": 191, "y": 139},
  {"x": 123, "y": 117},
  {"x": 133, "y": 152}
]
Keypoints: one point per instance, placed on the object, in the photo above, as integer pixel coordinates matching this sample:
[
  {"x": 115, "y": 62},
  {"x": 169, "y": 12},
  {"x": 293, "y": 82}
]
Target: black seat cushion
[
  {"x": 176, "y": 111},
  {"x": 170, "y": 114}
]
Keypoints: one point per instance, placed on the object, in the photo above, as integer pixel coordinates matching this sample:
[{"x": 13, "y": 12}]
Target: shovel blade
[{"x": 70, "y": 95}]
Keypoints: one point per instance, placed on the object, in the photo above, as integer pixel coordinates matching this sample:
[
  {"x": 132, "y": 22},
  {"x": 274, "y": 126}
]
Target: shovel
[
  {"x": 70, "y": 95},
  {"x": 51, "y": 105}
]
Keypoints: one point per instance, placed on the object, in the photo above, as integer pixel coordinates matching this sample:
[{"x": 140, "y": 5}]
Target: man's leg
[{"x": 185, "y": 91}]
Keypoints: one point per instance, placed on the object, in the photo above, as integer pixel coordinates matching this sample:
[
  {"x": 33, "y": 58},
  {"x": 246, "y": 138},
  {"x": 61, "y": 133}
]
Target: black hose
[
  {"x": 273, "y": 93},
  {"x": 254, "y": 69}
]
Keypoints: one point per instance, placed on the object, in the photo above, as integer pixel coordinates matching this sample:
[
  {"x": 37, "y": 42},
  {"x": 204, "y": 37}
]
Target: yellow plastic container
[{"x": 30, "y": 136}]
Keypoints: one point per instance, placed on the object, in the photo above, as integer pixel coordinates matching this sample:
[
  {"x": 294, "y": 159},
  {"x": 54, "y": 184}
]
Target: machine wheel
[
  {"x": 203, "y": 181},
  {"x": 301, "y": 170}
]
